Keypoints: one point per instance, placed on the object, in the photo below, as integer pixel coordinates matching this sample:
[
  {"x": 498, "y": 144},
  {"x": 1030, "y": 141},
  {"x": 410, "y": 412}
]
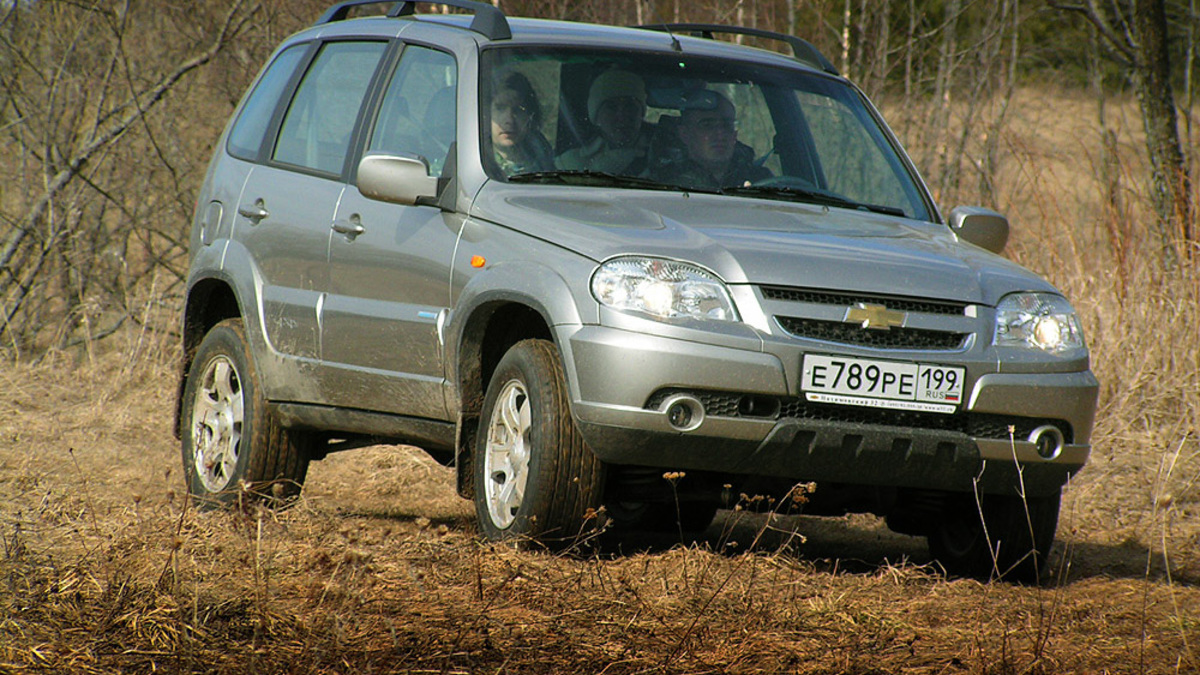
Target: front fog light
[
  {"x": 665, "y": 289},
  {"x": 1038, "y": 321}
]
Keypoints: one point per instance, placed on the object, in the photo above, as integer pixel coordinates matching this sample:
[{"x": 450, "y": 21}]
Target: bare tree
[
  {"x": 1136, "y": 32},
  {"x": 86, "y": 221}
]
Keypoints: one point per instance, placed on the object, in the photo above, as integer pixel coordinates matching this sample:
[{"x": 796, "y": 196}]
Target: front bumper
[{"x": 756, "y": 423}]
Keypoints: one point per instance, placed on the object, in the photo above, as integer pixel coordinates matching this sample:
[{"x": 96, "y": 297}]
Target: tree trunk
[
  {"x": 944, "y": 89},
  {"x": 846, "y": 39},
  {"x": 1171, "y": 184},
  {"x": 1141, "y": 46}
]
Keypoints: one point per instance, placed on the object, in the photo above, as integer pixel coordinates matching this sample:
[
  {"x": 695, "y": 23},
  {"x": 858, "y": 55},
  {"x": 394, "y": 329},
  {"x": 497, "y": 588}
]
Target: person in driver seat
[{"x": 712, "y": 156}]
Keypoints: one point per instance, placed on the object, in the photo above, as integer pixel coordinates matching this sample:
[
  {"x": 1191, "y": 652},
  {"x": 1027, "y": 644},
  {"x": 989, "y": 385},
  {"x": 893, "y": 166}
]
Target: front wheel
[
  {"x": 996, "y": 536},
  {"x": 230, "y": 440},
  {"x": 535, "y": 478}
]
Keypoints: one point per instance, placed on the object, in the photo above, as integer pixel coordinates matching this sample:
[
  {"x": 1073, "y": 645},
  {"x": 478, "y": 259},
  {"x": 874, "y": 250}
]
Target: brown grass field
[{"x": 105, "y": 568}]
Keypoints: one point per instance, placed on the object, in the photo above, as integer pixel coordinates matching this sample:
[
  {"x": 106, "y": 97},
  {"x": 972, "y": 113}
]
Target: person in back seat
[{"x": 617, "y": 108}]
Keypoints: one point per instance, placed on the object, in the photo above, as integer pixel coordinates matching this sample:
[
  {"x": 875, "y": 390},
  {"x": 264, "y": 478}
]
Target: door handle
[
  {"x": 255, "y": 213},
  {"x": 351, "y": 228}
]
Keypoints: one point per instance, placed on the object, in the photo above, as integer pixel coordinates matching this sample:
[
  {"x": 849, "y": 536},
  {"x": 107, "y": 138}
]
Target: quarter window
[
  {"x": 247, "y": 135},
  {"x": 320, "y": 120}
]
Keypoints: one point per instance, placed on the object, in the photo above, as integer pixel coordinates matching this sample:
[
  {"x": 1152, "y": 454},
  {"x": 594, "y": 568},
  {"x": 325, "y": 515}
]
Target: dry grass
[
  {"x": 378, "y": 569},
  {"x": 1141, "y": 321},
  {"x": 104, "y": 568}
]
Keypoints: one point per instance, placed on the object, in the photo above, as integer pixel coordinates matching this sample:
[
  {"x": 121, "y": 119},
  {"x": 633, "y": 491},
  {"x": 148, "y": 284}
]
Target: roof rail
[
  {"x": 489, "y": 21},
  {"x": 340, "y": 11},
  {"x": 802, "y": 50}
]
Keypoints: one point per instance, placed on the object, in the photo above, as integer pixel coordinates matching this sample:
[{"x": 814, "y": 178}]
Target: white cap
[{"x": 615, "y": 84}]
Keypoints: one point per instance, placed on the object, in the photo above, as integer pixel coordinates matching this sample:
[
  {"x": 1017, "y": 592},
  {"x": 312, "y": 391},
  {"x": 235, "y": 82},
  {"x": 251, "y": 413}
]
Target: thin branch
[
  {"x": 1124, "y": 46},
  {"x": 230, "y": 26}
]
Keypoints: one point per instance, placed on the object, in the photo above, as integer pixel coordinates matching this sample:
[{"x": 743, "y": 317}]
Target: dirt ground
[{"x": 378, "y": 568}]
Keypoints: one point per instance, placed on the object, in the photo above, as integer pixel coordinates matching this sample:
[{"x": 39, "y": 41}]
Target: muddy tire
[
  {"x": 1011, "y": 541},
  {"x": 536, "y": 481},
  {"x": 232, "y": 446}
]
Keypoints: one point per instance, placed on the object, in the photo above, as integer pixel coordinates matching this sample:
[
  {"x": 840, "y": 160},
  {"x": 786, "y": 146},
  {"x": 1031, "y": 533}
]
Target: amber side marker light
[{"x": 478, "y": 261}]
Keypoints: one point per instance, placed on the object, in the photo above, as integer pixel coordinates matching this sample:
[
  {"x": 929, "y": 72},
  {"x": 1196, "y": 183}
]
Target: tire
[
  {"x": 1019, "y": 531},
  {"x": 536, "y": 481},
  {"x": 229, "y": 439}
]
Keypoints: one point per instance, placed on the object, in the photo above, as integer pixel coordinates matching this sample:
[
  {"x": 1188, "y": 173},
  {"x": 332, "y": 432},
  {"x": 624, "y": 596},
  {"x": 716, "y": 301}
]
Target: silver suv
[{"x": 617, "y": 277}]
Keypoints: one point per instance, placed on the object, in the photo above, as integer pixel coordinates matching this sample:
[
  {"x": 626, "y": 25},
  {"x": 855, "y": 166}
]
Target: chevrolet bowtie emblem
[{"x": 876, "y": 317}]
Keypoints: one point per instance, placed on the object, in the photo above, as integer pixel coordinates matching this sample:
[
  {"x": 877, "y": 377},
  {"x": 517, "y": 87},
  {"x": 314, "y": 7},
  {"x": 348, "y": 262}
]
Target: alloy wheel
[
  {"x": 218, "y": 414},
  {"x": 506, "y": 459}
]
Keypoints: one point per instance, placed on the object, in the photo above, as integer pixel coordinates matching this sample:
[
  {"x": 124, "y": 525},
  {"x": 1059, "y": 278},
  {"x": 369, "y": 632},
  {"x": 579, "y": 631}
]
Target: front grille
[
  {"x": 794, "y": 322},
  {"x": 852, "y": 334},
  {"x": 850, "y": 300},
  {"x": 734, "y": 405}
]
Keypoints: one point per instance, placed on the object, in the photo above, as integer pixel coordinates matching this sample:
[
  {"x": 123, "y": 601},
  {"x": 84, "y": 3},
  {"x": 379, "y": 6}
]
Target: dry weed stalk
[{"x": 1161, "y": 515}]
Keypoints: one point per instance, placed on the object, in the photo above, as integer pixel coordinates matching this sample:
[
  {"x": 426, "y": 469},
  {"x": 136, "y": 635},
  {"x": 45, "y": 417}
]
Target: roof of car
[
  {"x": 545, "y": 31},
  {"x": 530, "y": 31}
]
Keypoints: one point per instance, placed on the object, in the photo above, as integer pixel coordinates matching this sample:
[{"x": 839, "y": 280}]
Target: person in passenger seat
[
  {"x": 617, "y": 108},
  {"x": 712, "y": 156},
  {"x": 516, "y": 120}
]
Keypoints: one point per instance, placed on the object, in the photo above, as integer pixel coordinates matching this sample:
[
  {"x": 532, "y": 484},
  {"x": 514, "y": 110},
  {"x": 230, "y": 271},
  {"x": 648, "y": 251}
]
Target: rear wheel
[
  {"x": 999, "y": 536},
  {"x": 229, "y": 438},
  {"x": 535, "y": 478}
]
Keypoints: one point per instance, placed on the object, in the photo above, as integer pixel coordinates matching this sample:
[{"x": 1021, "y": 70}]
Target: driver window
[
  {"x": 756, "y": 128},
  {"x": 419, "y": 112}
]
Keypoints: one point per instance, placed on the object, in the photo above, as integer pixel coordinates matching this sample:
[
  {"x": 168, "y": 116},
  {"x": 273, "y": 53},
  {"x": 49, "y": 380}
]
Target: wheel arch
[
  {"x": 209, "y": 302},
  {"x": 498, "y": 309}
]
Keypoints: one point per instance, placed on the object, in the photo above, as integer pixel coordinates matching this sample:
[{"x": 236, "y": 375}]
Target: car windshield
[{"x": 607, "y": 118}]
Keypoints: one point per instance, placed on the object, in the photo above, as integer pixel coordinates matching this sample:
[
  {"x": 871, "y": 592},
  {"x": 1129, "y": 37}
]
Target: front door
[{"x": 389, "y": 286}]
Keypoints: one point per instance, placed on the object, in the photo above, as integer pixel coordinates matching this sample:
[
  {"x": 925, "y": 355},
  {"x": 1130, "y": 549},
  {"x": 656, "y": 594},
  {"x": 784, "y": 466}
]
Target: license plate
[{"x": 882, "y": 384}]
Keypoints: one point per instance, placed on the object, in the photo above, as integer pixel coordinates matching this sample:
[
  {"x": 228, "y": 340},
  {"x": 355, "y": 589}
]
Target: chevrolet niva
[{"x": 616, "y": 277}]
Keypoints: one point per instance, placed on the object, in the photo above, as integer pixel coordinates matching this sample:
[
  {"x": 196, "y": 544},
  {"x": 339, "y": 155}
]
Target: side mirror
[
  {"x": 983, "y": 227},
  {"x": 400, "y": 180}
]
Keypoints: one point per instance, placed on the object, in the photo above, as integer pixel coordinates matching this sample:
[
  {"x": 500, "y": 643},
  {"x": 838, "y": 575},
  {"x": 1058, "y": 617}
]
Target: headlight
[
  {"x": 1037, "y": 321},
  {"x": 664, "y": 289}
]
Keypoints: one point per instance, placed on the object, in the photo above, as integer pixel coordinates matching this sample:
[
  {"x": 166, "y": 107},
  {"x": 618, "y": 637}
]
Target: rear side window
[
  {"x": 247, "y": 135},
  {"x": 317, "y": 127}
]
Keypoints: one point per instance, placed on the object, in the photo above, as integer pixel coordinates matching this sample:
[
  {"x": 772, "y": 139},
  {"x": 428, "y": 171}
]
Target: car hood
[{"x": 763, "y": 242}]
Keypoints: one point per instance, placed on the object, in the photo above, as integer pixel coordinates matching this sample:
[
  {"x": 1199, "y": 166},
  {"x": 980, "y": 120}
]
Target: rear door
[
  {"x": 289, "y": 201},
  {"x": 389, "y": 264}
]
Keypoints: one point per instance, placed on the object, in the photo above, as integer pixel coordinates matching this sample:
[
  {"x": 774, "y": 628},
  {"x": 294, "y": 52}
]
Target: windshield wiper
[
  {"x": 810, "y": 195},
  {"x": 589, "y": 178}
]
